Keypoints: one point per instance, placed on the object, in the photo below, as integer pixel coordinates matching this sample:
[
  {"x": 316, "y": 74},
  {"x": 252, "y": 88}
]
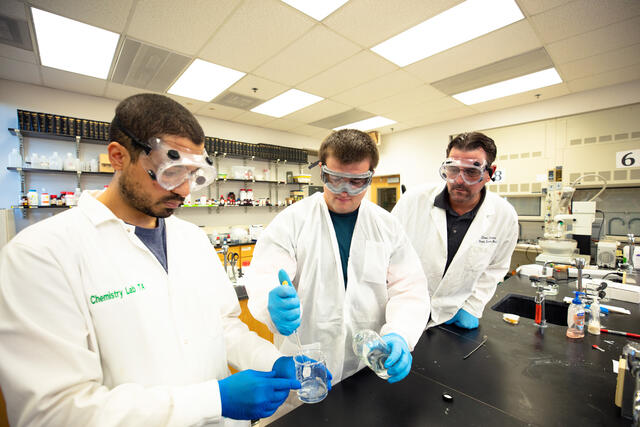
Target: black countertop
[{"x": 521, "y": 376}]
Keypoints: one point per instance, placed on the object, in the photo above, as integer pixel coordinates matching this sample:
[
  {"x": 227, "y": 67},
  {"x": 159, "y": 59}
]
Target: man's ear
[{"x": 118, "y": 156}]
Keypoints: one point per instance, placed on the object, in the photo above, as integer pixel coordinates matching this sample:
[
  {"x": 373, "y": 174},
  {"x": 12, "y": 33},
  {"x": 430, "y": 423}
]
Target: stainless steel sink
[{"x": 525, "y": 306}]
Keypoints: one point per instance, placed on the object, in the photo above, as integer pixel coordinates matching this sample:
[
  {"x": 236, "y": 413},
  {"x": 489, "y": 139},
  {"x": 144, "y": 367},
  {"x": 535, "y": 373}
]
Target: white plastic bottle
[
  {"x": 593, "y": 327},
  {"x": 575, "y": 318},
  {"x": 55, "y": 162},
  {"x": 15, "y": 160},
  {"x": 70, "y": 163},
  {"x": 44, "y": 198},
  {"x": 32, "y": 197}
]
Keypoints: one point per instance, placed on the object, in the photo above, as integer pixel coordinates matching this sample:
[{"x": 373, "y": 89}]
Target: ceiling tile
[
  {"x": 533, "y": 7},
  {"x": 382, "y": 87},
  {"x": 266, "y": 88},
  {"x": 170, "y": 24},
  {"x": 506, "y": 42},
  {"x": 582, "y": 16},
  {"x": 120, "y": 92},
  {"x": 14, "y": 9},
  {"x": 605, "y": 39},
  {"x": 257, "y": 30},
  {"x": 18, "y": 54},
  {"x": 522, "y": 98},
  {"x": 318, "y": 111},
  {"x": 251, "y": 118},
  {"x": 190, "y": 104},
  {"x": 283, "y": 124},
  {"x": 358, "y": 69},
  {"x": 404, "y": 99},
  {"x": 369, "y": 22},
  {"x": 597, "y": 64},
  {"x": 311, "y": 54},
  {"x": 606, "y": 79},
  {"x": 73, "y": 82},
  {"x": 439, "y": 105},
  {"x": 390, "y": 129},
  {"x": 218, "y": 111},
  {"x": 19, "y": 71},
  {"x": 312, "y": 131},
  {"x": 111, "y": 15},
  {"x": 442, "y": 116}
]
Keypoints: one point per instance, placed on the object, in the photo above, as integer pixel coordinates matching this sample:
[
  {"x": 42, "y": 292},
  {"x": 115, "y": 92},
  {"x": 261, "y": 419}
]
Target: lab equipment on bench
[
  {"x": 575, "y": 318},
  {"x": 372, "y": 350},
  {"x": 567, "y": 225},
  {"x": 311, "y": 371}
]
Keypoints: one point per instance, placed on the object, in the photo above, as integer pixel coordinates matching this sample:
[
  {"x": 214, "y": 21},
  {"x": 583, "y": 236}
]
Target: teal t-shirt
[{"x": 344, "y": 224}]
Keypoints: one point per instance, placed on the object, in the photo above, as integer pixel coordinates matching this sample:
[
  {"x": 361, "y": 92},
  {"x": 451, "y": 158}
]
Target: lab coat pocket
[
  {"x": 376, "y": 262},
  {"x": 479, "y": 256}
]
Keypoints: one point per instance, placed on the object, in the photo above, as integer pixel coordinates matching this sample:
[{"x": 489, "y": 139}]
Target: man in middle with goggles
[
  {"x": 350, "y": 262},
  {"x": 463, "y": 234}
]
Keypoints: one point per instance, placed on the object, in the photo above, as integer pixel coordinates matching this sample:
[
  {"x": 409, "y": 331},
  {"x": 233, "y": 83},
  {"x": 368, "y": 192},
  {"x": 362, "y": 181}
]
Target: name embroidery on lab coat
[
  {"x": 128, "y": 290},
  {"x": 485, "y": 239}
]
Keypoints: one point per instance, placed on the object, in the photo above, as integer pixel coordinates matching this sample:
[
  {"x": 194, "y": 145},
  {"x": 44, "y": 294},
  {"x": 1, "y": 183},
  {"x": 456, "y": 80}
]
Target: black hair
[{"x": 349, "y": 146}]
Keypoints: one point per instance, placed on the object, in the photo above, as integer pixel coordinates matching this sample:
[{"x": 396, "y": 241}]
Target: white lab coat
[
  {"x": 483, "y": 257},
  {"x": 386, "y": 291},
  {"x": 148, "y": 354}
]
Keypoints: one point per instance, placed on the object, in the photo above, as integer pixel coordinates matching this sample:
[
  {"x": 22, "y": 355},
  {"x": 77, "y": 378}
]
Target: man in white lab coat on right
[{"x": 463, "y": 234}]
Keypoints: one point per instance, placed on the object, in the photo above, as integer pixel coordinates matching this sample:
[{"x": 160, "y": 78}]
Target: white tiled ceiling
[
  {"x": 317, "y": 50},
  {"x": 258, "y": 30},
  {"x": 59, "y": 79},
  {"x": 592, "y": 43},
  {"x": 19, "y": 71}
]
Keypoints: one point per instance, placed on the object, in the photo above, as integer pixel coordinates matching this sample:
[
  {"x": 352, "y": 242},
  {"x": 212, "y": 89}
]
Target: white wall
[
  {"x": 416, "y": 154},
  {"x": 14, "y": 95}
]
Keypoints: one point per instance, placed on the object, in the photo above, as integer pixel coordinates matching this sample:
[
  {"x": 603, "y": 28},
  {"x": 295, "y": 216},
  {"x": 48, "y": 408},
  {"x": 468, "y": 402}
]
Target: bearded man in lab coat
[
  {"x": 351, "y": 265},
  {"x": 117, "y": 313},
  {"x": 463, "y": 234}
]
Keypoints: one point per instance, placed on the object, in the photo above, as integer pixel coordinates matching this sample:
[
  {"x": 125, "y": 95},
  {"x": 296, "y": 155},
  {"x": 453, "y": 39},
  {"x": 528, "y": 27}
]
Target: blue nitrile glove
[
  {"x": 398, "y": 364},
  {"x": 284, "y": 306},
  {"x": 463, "y": 319},
  {"x": 284, "y": 367},
  {"x": 249, "y": 395}
]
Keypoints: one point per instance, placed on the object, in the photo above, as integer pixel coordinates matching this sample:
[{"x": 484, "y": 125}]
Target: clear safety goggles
[
  {"x": 341, "y": 182},
  {"x": 171, "y": 167},
  {"x": 472, "y": 170}
]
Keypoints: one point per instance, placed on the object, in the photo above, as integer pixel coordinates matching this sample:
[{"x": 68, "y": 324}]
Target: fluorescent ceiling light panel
[
  {"x": 286, "y": 103},
  {"x": 520, "y": 84},
  {"x": 461, "y": 23},
  {"x": 317, "y": 9},
  {"x": 70, "y": 45},
  {"x": 368, "y": 124},
  {"x": 204, "y": 80}
]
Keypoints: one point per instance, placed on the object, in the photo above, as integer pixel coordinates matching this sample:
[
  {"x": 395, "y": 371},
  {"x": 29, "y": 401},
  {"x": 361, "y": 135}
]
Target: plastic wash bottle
[{"x": 575, "y": 318}]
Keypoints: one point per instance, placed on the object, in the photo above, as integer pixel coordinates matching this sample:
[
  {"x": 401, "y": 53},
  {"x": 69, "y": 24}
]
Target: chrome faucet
[
  {"x": 579, "y": 266},
  {"x": 630, "y": 260}
]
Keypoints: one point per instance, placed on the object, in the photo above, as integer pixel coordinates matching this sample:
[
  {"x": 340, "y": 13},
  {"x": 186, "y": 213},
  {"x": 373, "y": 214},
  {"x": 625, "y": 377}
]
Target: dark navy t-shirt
[
  {"x": 156, "y": 240},
  {"x": 344, "y": 224}
]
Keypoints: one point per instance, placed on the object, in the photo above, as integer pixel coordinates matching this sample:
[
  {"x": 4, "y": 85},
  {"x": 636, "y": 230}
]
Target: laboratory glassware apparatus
[
  {"x": 566, "y": 223},
  {"x": 372, "y": 350}
]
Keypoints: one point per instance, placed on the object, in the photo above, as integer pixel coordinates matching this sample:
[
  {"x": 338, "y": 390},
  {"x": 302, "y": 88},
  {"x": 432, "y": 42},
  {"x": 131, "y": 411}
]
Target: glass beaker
[
  {"x": 372, "y": 350},
  {"x": 311, "y": 371}
]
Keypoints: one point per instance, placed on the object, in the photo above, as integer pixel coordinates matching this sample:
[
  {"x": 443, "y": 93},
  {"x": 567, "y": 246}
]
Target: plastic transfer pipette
[{"x": 284, "y": 279}]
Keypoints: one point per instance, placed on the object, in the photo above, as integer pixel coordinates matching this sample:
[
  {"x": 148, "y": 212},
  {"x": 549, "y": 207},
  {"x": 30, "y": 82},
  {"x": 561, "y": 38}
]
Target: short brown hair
[
  {"x": 469, "y": 141},
  {"x": 149, "y": 115},
  {"x": 349, "y": 146}
]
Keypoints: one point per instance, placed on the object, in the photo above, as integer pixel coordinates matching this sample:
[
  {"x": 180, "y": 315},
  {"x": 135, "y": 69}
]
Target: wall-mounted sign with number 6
[{"x": 628, "y": 159}]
